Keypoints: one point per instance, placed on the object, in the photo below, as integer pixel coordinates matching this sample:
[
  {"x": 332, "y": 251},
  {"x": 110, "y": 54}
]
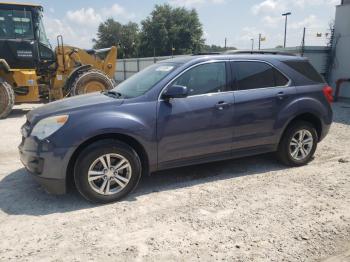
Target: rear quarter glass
[{"x": 307, "y": 73}]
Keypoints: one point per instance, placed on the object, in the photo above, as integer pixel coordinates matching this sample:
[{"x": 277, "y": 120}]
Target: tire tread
[
  {"x": 7, "y": 91},
  {"x": 87, "y": 73},
  {"x": 282, "y": 152},
  {"x": 99, "y": 145}
]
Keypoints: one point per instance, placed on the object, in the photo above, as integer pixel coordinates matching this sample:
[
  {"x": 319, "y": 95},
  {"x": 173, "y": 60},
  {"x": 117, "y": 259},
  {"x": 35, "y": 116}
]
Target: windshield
[
  {"x": 16, "y": 24},
  {"x": 144, "y": 80}
]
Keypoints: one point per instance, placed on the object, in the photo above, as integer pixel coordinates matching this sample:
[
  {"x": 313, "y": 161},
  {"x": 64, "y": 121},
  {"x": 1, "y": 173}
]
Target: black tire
[
  {"x": 7, "y": 99},
  {"x": 90, "y": 155},
  {"x": 284, "y": 151},
  {"x": 79, "y": 85}
]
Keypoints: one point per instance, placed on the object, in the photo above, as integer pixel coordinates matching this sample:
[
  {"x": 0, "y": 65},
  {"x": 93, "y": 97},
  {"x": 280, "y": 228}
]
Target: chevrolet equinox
[{"x": 178, "y": 112}]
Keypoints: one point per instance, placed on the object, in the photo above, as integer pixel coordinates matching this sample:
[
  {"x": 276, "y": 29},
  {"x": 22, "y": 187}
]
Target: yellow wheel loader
[{"x": 31, "y": 71}]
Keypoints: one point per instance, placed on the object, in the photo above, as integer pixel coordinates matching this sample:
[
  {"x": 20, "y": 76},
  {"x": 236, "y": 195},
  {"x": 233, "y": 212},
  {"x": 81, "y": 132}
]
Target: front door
[{"x": 201, "y": 124}]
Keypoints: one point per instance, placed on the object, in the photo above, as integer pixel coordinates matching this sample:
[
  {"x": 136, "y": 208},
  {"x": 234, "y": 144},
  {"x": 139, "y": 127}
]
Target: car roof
[{"x": 203, "y": 58}]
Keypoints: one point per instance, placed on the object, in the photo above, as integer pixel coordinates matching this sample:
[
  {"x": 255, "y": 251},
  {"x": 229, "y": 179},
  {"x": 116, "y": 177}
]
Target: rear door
[{"x": 261, "y": 91}]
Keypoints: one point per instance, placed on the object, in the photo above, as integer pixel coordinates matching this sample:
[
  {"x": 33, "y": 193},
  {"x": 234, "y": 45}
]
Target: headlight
[{"x": 48, "y": 126}]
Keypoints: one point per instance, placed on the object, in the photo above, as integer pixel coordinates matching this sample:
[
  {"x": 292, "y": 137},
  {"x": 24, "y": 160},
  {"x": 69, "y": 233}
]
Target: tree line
[{"x": 166, "y": 31}]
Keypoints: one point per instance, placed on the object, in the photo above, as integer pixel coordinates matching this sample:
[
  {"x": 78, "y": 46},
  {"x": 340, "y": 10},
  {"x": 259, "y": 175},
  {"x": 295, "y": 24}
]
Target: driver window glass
[{"x": 204, "y": 79}]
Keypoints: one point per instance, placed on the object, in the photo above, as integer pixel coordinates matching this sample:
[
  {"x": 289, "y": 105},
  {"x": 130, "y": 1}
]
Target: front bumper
[
  {"x": 52, "y": 186},
  {"x": 46, "y": 162}
]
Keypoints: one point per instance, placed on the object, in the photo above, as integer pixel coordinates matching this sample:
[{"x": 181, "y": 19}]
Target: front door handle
[{"x": 222, "y": 105}]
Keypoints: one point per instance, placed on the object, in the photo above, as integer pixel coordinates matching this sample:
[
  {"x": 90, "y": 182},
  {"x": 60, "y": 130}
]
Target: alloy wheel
[
  {"x": 109, "y": 174},
  {"x": 301, "y": 144}
]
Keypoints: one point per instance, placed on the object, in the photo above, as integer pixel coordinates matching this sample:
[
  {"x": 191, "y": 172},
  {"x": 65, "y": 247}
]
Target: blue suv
[{"x": 178, "y": 112}]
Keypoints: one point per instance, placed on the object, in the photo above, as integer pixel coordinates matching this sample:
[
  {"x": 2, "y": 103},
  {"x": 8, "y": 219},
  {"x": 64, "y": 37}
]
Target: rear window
[{"x": 306, "y": 69}]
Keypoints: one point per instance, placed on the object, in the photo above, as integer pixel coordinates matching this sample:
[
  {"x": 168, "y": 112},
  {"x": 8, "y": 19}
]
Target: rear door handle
[
  {"x": 281, "y": 95},
  {"x": 221, "y": 105}
]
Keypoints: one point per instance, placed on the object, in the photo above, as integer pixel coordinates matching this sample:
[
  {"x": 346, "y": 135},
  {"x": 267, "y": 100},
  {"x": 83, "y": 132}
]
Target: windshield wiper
[{"x": 112, "y": 93}]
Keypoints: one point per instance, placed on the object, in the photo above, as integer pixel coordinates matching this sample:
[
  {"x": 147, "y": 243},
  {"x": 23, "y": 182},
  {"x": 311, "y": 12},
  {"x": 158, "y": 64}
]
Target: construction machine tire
[
  {"x": 7, "y": 99},
  {"x": 91, "y": 81}
]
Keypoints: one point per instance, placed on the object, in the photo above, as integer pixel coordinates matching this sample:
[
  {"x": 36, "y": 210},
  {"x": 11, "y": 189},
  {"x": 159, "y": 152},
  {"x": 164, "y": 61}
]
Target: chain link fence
[{"x": 127, "y": 67}]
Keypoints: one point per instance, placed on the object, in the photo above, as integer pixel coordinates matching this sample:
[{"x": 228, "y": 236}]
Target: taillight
[{"x": 328, "y": 93}]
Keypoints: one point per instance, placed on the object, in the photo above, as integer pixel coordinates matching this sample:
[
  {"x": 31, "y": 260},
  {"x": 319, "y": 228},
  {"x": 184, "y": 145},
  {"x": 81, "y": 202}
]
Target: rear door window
[
  {"x": 280, "y": 79},
  {"x": 254, "y": 75}
]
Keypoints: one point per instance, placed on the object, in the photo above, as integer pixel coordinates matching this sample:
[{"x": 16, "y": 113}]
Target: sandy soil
[{"x": 251, "y": 209}]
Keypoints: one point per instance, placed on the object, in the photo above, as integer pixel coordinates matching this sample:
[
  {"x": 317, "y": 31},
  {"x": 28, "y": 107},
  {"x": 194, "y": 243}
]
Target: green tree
[
  {"x": 130, "y": 40},
  {"x": 171, "y": 30},
  {"x": 216, "y": 48},
  {"x": 125, "y": 37}
]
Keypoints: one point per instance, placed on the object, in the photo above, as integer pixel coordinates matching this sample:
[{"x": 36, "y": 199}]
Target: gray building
[{"x": 341, "y": 47}]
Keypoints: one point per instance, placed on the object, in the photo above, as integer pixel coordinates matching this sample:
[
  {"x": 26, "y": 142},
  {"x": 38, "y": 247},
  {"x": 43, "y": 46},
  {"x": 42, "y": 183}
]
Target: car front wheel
[
  {"x": 106, "y": 171},
  {"x": 298, "y": 144}
]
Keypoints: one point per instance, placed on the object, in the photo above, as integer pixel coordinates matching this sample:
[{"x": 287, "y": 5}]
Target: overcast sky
[{"x": 239, "y": 21}]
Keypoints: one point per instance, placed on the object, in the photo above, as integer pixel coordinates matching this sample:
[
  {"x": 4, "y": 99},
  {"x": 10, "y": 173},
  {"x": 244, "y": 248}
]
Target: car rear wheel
[
  {"x": 298, "y": 144},
  {"x": 106, "y": 171}
]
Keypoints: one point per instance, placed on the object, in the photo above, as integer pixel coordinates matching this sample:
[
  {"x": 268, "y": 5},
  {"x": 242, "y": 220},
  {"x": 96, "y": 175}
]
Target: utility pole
[
  {"x": 285, "y": 27},
  {"x": 303, "y": 43},
  {"x": 154, "y": 54},
  {"x": 259, "y": 41},
  {"x": 252, "y": 43},
  {"x": 225, "y": 43}
]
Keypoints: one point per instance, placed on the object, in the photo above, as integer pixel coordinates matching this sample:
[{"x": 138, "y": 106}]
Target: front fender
[
  {"x": 113, "y": 122},
  {"x": 85, "y": 126}
]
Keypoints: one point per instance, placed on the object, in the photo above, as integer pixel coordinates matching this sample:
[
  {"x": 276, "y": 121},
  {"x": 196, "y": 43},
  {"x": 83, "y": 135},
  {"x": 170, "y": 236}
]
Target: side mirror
[{"x": 175, "y": 91}]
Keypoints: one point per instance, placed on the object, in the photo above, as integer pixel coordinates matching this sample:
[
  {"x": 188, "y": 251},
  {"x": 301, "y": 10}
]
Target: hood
[{"x": 71, "y": 104}]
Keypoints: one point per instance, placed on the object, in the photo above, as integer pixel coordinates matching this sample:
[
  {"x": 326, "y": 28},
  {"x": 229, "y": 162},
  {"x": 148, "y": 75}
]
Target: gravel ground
[{"x": 251, "y": 209}]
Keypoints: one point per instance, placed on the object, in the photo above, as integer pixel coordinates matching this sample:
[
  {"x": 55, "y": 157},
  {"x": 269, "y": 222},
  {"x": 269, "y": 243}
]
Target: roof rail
[
  {"x": 261, "y": 52},
  {"x": 207, "y": 53}
]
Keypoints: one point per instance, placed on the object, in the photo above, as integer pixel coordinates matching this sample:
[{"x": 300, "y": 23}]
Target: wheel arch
[
  {"x": 131, "y": 141},
  {"x": 307, "y": 117},
  {"x": 4, "y": 66}
]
